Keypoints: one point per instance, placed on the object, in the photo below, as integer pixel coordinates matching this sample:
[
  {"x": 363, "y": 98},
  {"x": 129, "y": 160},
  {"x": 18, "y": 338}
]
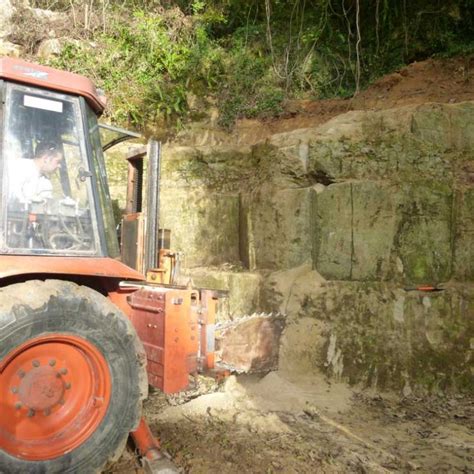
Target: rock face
[
  {"x": 6, "y": 29},
  {"x": 6, "y": 12},
  {"x": 332, "y": 226}
]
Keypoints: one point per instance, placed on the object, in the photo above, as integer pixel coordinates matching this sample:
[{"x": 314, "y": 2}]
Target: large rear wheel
[{"x": 72, "y": 378}]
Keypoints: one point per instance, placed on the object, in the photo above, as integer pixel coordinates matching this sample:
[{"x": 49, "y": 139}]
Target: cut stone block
[
  {"x": 274, "y": 228},
  {"x": 449, "y": 125},
  {"x": 464, "y": 239},
  {"x": 332, "y": 231},
  {"x": 381, "y": 336},
  {"x": 205, "y": 227},
  {"x": 373, "y": 231},
  {"x": 424, "y": 240},
  {"x": 243, "y": 297}
]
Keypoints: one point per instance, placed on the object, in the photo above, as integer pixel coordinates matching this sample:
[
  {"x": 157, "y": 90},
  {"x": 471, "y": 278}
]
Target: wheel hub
[
  {"x": 41, "y": 388},
  {"x": 50, "y": 406}
]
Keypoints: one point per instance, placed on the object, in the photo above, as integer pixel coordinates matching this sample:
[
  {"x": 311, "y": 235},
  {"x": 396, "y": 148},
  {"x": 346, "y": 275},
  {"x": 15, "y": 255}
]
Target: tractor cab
[
  {"x": 82, "y": 334},
  {"x": 53, "y": 183}
]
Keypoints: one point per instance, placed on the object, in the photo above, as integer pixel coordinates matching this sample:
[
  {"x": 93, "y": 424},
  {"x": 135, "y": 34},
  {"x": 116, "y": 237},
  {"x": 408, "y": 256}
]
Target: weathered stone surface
[
  {"x": 424, "y": 241},
  {"x": 380, "y": 336},
  {"x": 9, "y": 49},
  {"x": 6, "y": 12},
  {"x": 243, "y": 289},
  {"x": 220, "y": 169},
  {"x": 205, "y": 227},
  {"x": 374, "y": 222},
  {"x": 251, "y": 345},
  {"x": 274, "y": 228},
  {"x": 463, "y": 267},
  {"x": 284, "y": 290},
  {"x": 429, "y": 140},
  {"x": 48, "y": 16},
  {"x": 332, "y": 232},
  {"x": 349, "y": 213},
  {"x": 449, "y": 126},
  {"x": 377, "y": 231},
  {"x": 355, "y": 225},
  {"x": 49, "y": 48},
  {"x": 302, "y": 343}
]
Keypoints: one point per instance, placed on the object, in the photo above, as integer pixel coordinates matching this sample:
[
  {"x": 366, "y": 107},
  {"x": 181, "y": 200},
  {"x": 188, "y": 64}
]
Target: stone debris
[{"x": 304, "y": 424}]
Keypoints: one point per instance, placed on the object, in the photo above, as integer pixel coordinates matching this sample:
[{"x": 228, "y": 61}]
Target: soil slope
[{"x": 434, "y": 80}]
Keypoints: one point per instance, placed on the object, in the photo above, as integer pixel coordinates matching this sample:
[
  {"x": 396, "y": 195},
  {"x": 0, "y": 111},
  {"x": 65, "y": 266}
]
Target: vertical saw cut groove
[{"x": 352, "y": 233}]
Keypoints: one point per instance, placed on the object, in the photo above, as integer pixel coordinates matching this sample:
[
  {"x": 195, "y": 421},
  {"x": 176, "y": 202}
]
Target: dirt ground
[
  {"x": 434, "y": 80},
  {"x": 288, "y": 424},
  {"x": 445, "y": 81}
]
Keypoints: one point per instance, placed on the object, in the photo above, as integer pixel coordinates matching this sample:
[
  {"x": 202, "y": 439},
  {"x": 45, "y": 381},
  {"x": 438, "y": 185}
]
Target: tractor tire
[{"x": 72, "y": 379}]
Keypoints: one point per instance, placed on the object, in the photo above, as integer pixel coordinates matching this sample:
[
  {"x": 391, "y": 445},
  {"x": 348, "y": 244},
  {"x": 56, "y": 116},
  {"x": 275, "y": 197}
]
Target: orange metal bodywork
[
  {"x": 13, "y": 265},
  {"x": 176, "y": 326},
  {"x": 48, "y": 78},
  {"x": 57, "y": 387},
  {"x": 207, "y": 322},
  {"x": 147, "y": 444},
  {"x": 169, "y": 332}
]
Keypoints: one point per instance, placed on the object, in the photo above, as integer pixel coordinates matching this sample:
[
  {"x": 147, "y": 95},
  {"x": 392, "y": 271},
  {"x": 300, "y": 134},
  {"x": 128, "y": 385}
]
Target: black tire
[{"x": 37, "y": 308}]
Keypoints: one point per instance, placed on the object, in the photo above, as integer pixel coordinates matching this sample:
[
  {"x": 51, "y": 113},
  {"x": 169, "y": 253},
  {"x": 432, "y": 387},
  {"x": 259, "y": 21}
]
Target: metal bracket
[
  {"x": 159, "y": 466},
  {"x": 154, "y": 461}
]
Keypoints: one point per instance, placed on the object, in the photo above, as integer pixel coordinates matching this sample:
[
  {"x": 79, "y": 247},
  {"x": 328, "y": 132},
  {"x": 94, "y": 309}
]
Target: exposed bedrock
[{"x": 333, "y": 226}]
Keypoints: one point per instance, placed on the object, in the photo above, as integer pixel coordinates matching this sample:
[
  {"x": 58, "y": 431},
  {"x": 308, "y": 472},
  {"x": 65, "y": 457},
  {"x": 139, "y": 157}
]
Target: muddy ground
[{"x": 288, "y": 424}]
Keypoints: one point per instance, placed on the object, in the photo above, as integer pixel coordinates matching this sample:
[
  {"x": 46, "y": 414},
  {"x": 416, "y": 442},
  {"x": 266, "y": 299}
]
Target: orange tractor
[{"x": 81, "y": 333}]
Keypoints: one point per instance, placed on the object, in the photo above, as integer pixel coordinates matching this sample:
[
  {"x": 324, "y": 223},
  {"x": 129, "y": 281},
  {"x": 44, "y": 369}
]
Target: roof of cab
[{"x": 48, "y": 78}]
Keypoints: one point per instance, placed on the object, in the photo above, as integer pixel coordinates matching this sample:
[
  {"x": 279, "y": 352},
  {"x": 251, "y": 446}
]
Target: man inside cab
[{"x": 29, "y": 179}]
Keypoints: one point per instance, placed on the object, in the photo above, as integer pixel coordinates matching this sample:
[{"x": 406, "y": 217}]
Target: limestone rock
[
  {"x": 205, "y": 227},
  {"x": 48, "y": 16},
  {"x": 380, "y": 336},
  {"x": 362, "y": 229},
  {"x": 49, "y": 48},
  {"x": 6, "y": 12},
  {"x": 9, "y": 49},
  {"x": 274, "y": 228},
  {"x": 243, "y": 289},
  {"x": 463, "y": 264},
  {"x": 332, "y": 223},
  {"x": 423, "y": 240}
]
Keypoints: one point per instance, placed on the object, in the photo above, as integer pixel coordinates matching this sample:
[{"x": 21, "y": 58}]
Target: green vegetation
[{"x": 163, "y": 62}]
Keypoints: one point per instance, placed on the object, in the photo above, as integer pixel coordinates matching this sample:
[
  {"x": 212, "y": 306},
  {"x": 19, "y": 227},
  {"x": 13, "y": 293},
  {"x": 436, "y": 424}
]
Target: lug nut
[
  {"x": 31, "y": 413},
  {"x": 36, "y": 363},
  {"x": 98, "y": 402},
  {"x": 61, "y": 402},
  {"x": 63, "y": 371},
  {"x": 14, "y": 390},
  {"x": 52, "y": 362},
  {"x": 47, "y": 412},
  {"x": 21, "y": 373},
  {"x": 18, "y": 405},
  {"x": 67, "y": 386}
]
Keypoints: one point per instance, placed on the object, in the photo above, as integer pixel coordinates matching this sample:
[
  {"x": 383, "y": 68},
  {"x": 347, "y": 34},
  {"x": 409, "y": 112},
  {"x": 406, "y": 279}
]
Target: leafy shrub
[{"x": 246, "y": 56}]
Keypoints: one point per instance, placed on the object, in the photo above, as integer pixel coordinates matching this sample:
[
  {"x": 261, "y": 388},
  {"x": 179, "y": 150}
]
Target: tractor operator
[{"x": 30, "y": 178}]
